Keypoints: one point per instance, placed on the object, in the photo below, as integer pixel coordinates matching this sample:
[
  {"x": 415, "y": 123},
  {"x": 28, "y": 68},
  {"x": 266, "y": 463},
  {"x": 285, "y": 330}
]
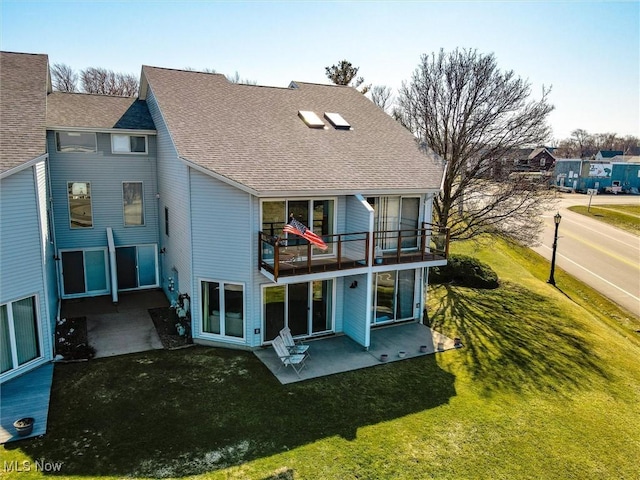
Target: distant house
[
  {"x": 607, "y": 154},
  {"x": 188, "y": 188}
]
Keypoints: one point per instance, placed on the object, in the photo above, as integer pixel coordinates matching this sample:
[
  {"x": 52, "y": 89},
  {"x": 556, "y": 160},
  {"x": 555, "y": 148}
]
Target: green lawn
[
  {"x": 626, "y": 217},
  {"x": 543, "y": 389}
]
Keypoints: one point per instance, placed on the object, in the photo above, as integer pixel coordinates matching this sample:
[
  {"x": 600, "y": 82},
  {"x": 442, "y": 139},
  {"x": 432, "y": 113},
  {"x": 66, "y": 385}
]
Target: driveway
[{"x": 604, "y": 257}]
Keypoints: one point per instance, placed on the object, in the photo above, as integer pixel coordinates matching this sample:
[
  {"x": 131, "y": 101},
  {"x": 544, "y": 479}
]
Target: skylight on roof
[
  {"x": 337, "y": 121},
  {"x": 311, "y": 119}
]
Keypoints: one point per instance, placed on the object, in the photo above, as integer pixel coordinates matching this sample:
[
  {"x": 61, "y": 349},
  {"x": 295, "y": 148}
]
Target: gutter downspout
[{"x": 113, "y": 268}]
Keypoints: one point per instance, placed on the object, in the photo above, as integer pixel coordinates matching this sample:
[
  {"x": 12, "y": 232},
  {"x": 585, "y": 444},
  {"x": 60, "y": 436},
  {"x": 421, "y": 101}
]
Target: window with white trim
[
  {"x": 133, "y": 204},
  {"x": 80, "y": 212},
  {"x": 136, "y": 144},
  {"x": 76, "y": 142},
  {"x": 223, "y": 308}
]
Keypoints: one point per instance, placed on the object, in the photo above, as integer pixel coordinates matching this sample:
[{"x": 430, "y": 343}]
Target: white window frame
[
  {"x": 12, "y": 335},
  {"x": 129, "y": 152},
  {"x": 124, "y": 217},
  {"x": 223, "y": 312},
  {"x": 90, "y": 194},
  {"x": 57, "y": 140}
]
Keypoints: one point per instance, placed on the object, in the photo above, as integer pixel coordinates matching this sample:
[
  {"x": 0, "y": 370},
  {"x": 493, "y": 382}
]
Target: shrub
[{"x": 465, "y": 271}]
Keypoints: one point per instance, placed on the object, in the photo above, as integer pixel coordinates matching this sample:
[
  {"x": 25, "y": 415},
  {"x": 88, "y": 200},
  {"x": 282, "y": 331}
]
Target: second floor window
[
  {"x": 133, "y": 203},
  {"x": 80, "y": 213},
  {"x": 128, "y": 143},
  {"x": 76, "y": 142}
]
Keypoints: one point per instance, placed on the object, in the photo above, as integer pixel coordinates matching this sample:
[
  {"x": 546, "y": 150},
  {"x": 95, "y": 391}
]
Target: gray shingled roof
[
  {"x": 252, "y": 135},
  {"x": 83, "y": 110},
  {"x": 23, "y": 93},
  {"x": 610, "y": 153}
]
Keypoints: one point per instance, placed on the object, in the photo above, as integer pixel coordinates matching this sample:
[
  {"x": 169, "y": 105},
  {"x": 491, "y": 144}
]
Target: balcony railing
[{"x": 290, "y": 256}]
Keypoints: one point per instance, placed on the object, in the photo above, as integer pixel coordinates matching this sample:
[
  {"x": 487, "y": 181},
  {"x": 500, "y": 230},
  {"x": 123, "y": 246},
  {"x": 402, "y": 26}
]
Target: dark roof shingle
[
  {"x": 23, "y": 93},
  {"x": 252, "y": 135},
  {"x": 83, "y": 110}
]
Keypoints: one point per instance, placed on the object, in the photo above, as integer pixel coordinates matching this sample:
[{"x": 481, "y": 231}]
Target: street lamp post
[{"x": 556, "y": 219}]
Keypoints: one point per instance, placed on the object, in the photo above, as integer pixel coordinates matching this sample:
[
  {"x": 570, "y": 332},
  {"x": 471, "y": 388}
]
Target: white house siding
[
  {"x": 173, "y": 189},
  {"x": 223, "y": 242},
  {"x": 21, "y": 255}
]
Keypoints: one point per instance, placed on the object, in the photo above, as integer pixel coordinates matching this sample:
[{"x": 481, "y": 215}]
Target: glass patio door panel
[
  {"x": 6, "y": 361},
  {"x": 274, "y": 311},
  {"x": 126, "y": 265},
  {"x": 405, "y": 295},
  {"x": 147, "y": 265},
  {"x": 322, "y": 224},
  {"x": 321, "y": 308},
  {"x": 409, "y": 214},
  {"x": 300, "y": 211},
  {"x": 73, "y": 272},
  {"x": 274, "y": 216},
  {"x": 298, "y": 308},
  {"x": 96, "y": 270},
  {"x": 211, "y": 307},
  {"x": 26, "y": 330},
  {"x": 384, "y": 297}
]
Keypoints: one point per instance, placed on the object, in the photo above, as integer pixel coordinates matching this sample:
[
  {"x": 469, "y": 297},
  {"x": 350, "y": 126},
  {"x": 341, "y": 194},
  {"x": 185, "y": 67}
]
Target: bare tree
[
  {"x": 63, "y": 78},
  {"x": 344, "y": 73},
  {"x": 381, "y": 95},
  {"x": 236, "y": 79},
  {"x": 105, "y": 82},
  {"x": 464, "y": 108}
]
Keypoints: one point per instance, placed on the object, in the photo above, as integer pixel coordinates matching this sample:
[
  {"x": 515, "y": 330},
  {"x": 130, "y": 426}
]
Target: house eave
[
  {"x": 23, "y": 166},
  {"x": 132, "y": 131}
]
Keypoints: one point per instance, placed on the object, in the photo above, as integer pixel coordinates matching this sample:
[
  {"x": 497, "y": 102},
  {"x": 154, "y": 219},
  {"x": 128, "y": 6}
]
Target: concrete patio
[
  {"x": 119, "y": 329},
  {"x": 341, "y": 354}
]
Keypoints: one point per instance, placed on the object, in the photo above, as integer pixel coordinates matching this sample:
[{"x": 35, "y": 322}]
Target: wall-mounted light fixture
[
  {"x": 163, "y": 250},
  {"x": 354, "y": 284}
]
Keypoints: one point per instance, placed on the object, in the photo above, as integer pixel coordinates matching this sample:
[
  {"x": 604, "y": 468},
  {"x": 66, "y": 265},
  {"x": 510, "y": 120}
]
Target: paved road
[{"x": 602, "y": 256}]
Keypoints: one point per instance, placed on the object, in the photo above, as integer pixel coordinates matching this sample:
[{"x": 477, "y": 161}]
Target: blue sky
[{"x": 588, "y": 51}]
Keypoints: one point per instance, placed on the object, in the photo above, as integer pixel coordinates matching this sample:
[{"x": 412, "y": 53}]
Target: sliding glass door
[
  {"x": 393, "y": 296},
  {"x": 318, "y": 215},
  {"x": 392, "y": 214},
  {"x": 306, "y": 308},
  {"x": 19, "y": 339}
]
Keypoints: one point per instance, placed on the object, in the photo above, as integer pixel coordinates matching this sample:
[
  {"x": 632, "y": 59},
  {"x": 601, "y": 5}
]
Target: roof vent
[
  {"x": 337, "y": 121},
  {"x": 311, "y": 119}
]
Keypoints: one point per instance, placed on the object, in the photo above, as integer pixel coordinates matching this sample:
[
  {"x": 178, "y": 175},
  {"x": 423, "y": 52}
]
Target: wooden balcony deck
[{"x": 292, "y": 257}]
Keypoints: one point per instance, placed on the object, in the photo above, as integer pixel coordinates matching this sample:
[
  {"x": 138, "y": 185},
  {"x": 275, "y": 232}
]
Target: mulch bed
[
  {"x": 71, "y": 339},
  {"x": 165, "y": 319}
]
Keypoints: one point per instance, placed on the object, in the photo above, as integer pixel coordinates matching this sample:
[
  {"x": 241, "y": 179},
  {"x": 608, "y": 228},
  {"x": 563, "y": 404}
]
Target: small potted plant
[
  {"x": 24, "y": 426},
  {"x": 384, "y": 357}
]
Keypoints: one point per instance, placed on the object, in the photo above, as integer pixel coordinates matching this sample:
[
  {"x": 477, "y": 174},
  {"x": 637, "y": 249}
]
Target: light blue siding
[
  {"x": 22, "y": 253},
  {"x": 106, "y": 173},
  {"x": 354, "y": 312},
  {"x": 173, "y": 188},
  {"x": 222, "y": 242}
]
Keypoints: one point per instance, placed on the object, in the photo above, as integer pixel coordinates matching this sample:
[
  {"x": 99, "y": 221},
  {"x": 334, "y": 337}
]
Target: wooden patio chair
[
  {"x": 293, "y": 346},
  {"x": 296, "y": 360}
]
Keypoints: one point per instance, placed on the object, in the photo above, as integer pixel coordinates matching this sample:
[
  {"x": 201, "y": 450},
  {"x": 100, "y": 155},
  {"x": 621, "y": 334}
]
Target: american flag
[{"x": 297, "y": 228}]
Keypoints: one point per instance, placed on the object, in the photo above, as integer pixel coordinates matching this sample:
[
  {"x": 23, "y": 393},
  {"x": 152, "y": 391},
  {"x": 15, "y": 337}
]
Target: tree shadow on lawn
[
  {"x": 184, "y": 412},
  {"x": 516, "y": 339}
]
